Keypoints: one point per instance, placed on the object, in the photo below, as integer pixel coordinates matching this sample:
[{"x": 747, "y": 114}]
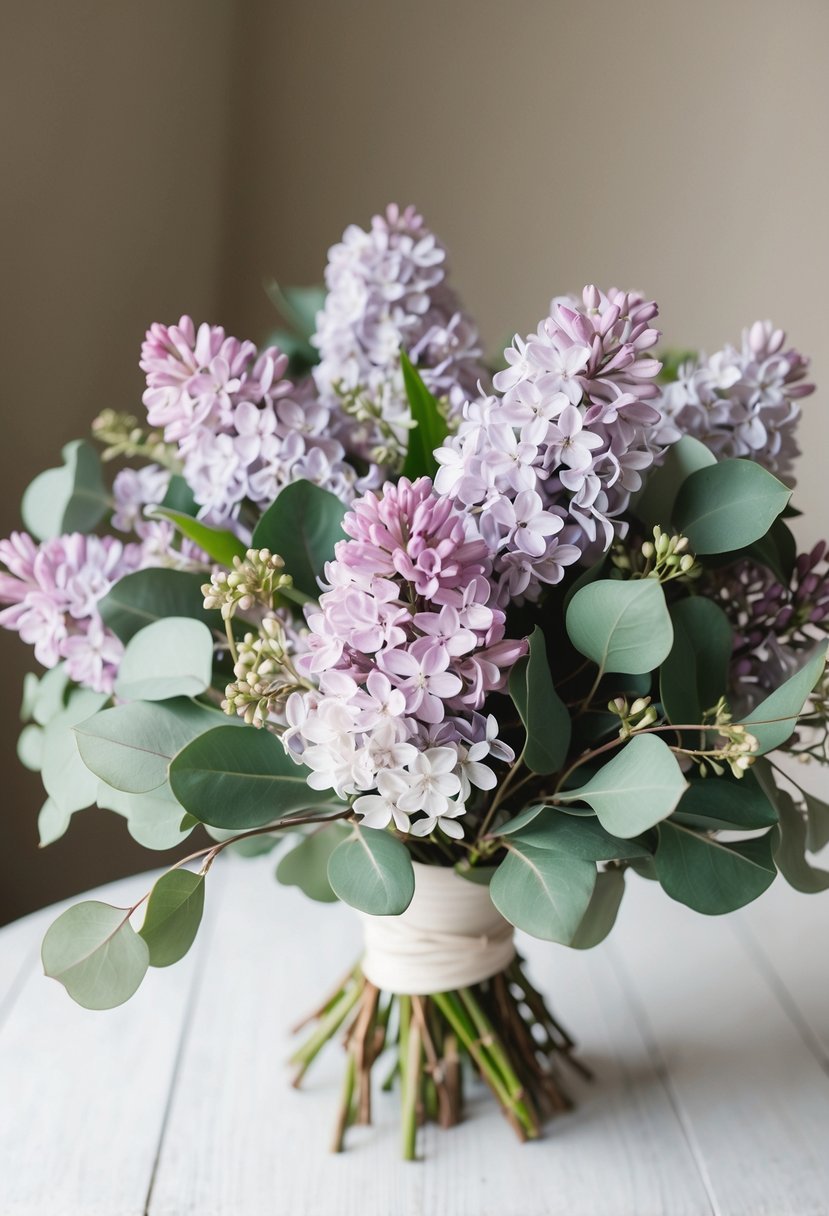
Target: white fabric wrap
[{"x": 451, "y": 935}]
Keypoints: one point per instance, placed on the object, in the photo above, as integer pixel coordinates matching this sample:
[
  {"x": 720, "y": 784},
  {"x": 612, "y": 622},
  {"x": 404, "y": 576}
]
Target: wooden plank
[
  {"x": 754, "y": 1101},
  {"x": 239, "y": 1141},
  {"x": 85, "y": 1094}
]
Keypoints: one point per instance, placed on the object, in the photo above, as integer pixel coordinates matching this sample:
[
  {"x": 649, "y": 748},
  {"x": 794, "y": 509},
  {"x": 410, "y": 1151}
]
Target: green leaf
[
  {"x": 542, "y": 711},
  {"x": 430, "y": 427},
  {"x": 180, "y": 497},
  {"x": 790, "y": 843},
  {"x": 298, "y": 306},
  {"x": 155, "y": 820},
  {"x": 50, "y": 697},
  {"x": 543, "y": 892},
  {"x": 240, "y": 777},
  {"x": 130, "y": 747},
  {"x": 151, "y": 595},
  {"x": 711, "y": 803},
  {"x": 372, "y": 871},
  {"x": 169, "y": 658},
  {"x": 695, "y": 674},
  {"x": 817, "y": 822},
  {"x": 602, "y": 910},
  {"x": 581, "y": 836},
  {"x": 302, "y": 526},
  {"x": 218, "y": 543},
  {"x": 710, "y": 875},
  {"x": 52, "y": 823},
  {"x": 774, "y": 719},
  {"x": 728, "y": 506},
  {"x": 93, "y": 950},
  {"x": 306, "y": 865},
  {"x": 640, "y": 786},
  {"x": 655, "y": 504},
  {"x": 621, "y": 626},
  {"x": 30, "y": 747},
  {"x": 777, "y": 550},
  {"x": 174, "y": 913},
  {"x": 66, "y": 779},
  {"x": 72, "y": 498}
]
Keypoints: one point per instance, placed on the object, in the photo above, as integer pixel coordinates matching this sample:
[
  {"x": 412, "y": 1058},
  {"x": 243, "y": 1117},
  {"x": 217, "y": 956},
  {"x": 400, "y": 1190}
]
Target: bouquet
[{"x": 472, "y": 646}]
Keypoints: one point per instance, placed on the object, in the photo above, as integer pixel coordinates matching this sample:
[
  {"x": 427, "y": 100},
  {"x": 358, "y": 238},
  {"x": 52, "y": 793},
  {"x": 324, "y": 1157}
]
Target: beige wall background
[{"x": 169, "y": 156}]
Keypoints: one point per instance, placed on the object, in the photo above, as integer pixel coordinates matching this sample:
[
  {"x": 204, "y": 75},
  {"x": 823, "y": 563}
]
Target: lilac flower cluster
[
  {"x": 742, "y": 402},
  {"x": 52, "y": 591},
  {"x": 243, "y": 431},
  {"x": 405, "y": 646},
  {"x": 387, "y": 290},
  {"x": 550, "y": 463}
]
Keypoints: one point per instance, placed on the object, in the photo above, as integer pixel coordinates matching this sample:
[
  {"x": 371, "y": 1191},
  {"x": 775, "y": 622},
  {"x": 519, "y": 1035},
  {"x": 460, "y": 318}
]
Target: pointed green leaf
[
  {"x": 173, "y": 916},
  {"x": 728, "y": 506},
  {"x": 430, "y": 428},
  {"x": 655, "y": 504},
  {"x": 542, "y": 711},
  {"x": 817, "y": 822},
  {"x": 543, "y": 892},
  {"x": 790, "y": 849},
  {"x": 640, "y": 786},
  {"x": 152, "y": 595},
  {"x": 306, "y": 865},
  {"x": 302, "y": 525},
  {"x": 725, "y": 802},
  {"x": 372, "y": 871},
  {"x": 712, "y": 876},
  {"x": 695, "y": 674},
  {"x": 52, "y": 822},
  {"x": 602, "y": 910},
  {"x": 621, "y": 626},
  {"x": 169, "y": 658},
  {"x": 72, "y": 498},
  {"x": 218, "y": 543},
  {"x": 93, "y": 950},
  {"x": 774, "y": 719}
]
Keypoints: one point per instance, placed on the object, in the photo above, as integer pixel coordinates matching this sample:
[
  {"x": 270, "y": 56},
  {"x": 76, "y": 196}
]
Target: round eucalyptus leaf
[
  {"x": 725, "y": 802},
  {"x": 544, "y": 714},
  {"x": 93, "y": 950},
  {"x": 72, "y": 498},
  {"x": 66, "y": 779},
  {"x": 52, "y": 823},
  {"x": 640, "y": 786},
  {"x": 602, "y": 910},
  {"x": 155, "y": 820},
  {"x": 302, "y": 525},
  {"x": 775, "y": 718},
  {"x": 728, "y": 506},
  {"x": 372, "y": 871},
  {"x": 543, "y": 892},
  {"x": 712, "y": 876},
  {"x": 173, "y": 916},
  {"x": 30, "y": 747},
  {"x": 306, "y": 864},
  {"x": 169, "y": 658},
  {"x": 655, "y": 503},
  {"x": 581, "y": 836},
  {"x": 622, "y": 626},
  {"x": 50, "y": 697},
  {"x": 150, "y": 595}
]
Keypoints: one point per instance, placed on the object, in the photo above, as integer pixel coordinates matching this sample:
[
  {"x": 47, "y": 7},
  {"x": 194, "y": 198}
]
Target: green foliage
[
  {"x": 52, "y": 823},
  {"x": 777, "y": 550},
  {"x": 218, "y": 543},
  {"x": 602, "y": 910},
  {"x": 372, "y": 871},
  {"x": 155, "y": 820},
  {"x": 179, "y": 497},
  {"x": 695, "y": 674},
  {"x": 169, "y": 658},
  {"x": 622, "y": 626},
  {"x": 48, "y": 695},
  {"x": 72, "y": 498},
  {"x": 712, "y": 876},
  {"x": 790, "y": 846},
  {"x": 93, "y": 950},
  {"x": 542, "y": 711},
  {"x": 306, "y": 865},
  {"x": 728, "y": 506},
  {"x": 138, "y": 599},
  {"x": 581, "y": 836},
  {"x": 298, "y": 307},
  {"x": 714, "y": 803},
  {"x": 173, "y": 916},
  {"x": 30, "y": 747},
  {"x": 238, "y": 777},
  {"x": 130, "y": 747},
  {"x": 302, "y": 525},
  {"x": 430, "y": 429},
  {"x": 66, "y": 779},
  {"x": 774, "y": 719},
  {"x": 655, "y": 502},
  {"x": 543, "y": 892},
  {"x": 640, "y": 786}
]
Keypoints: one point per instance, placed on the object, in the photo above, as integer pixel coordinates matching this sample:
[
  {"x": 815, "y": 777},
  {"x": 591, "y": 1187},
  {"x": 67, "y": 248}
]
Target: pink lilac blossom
[
  {"x": 742, "y": 402},
  {"x": 549, "y": 463},
  {"x": 405, "y": 646},
  {"x": 387, "y": 291},
  {"x": 135, "y": 489},
  {"x": 243, "y": 431}
]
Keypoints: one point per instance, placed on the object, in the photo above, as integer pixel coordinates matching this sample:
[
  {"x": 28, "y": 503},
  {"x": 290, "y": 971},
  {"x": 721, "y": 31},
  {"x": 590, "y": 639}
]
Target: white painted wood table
[{"x": 709, "y": 1039}]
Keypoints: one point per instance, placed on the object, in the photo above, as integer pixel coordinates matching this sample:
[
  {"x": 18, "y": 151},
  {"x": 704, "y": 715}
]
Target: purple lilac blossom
[
  {"x": 742, "y": 402},
  {"x": 549, "y": 464},
  {"x": 387, "y": 290},
  {"x": 405, "y": 646}
]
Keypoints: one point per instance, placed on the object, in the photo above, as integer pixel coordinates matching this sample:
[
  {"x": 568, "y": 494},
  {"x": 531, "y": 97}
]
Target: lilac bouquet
[{"x": 471, "y": 646}]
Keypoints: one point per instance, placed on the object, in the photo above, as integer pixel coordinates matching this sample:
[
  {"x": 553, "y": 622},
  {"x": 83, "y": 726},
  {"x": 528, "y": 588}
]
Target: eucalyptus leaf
[
  {"x": 30, "y": 747},
  {"x": 168, "y": 658},
  {"x": 240, "y": 777},
  {"x": 582, "y": 837},
  {"x": 52, "y": 822},
  {"x": 712, "y": 876},
  {"x": 543, "y": 892},
  {"x": 155, "y": 820},
  {"x": 51, "y": 695},
  {"x": 180, "y": 497},
  {"x": 173, "y": 916},
  {"x": 218, "y": 543},
  {"x": 621, "y": 626},
  {"x": 790, "y": 845},
  {"x": 817, "y": 822},
  {"x": 430, "y": 427},
  {"x": 655, "y": 503},
  {"x": 695, "y": 674},
  {"x": 777, "y": 550},
  {"x": 728, "y": 506},
  {"x": 302, "y": 525},
  {"x": 544, "y": 714},
  {"x": 66, "y": 779},
  {"x": 712, "y": 803},
  {"x": 640, "y": 786},
  {"x": 138, "y": 599},
  {"x": 602, "y": 910},
  {"x": 298, "y": 306},
  {"x": 774, "y": 719},
  {"x": 306, "y": 864},
  {"x": 93, "y": 950},
  {"x": 72, "y": 498},
  {"x": 372, "y": 871}
]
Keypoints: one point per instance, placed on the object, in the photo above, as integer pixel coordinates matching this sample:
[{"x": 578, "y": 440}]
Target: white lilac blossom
[
  {"x": 742, "y": 402},
  {"x": 242, "y": 430},
  {"x": 387, "y": 291},
  {"x": 549, "y": 463},
  {"x": 405, "y": 647}
]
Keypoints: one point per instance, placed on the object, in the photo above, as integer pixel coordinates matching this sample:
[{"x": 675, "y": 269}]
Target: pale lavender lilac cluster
[
  {"x": 405, "y": 647},
  {"x": 549, "y": 464},
  {"x": 742, "y": 402},
  {"x": 53, "y": 590},
  {"x": 387, "y": 291},
  {"x": 243, "y": 431}
]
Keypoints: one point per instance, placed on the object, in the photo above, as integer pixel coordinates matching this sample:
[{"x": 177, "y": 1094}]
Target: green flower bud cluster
[
  {"x": 265, "y": 675},
  {"x": 664, "y": 558},
  {"x": 738, "y": 749},
  {"x": 123, "y": 436},
  {"x": 633, "y": 717},
  {"x": 357, "y": 404},
  {"x": 254, "y": 579}
]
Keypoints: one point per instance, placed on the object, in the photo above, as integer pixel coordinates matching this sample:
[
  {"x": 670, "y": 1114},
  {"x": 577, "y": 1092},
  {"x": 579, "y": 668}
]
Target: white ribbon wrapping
[{"x": 451, "y": 935}]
